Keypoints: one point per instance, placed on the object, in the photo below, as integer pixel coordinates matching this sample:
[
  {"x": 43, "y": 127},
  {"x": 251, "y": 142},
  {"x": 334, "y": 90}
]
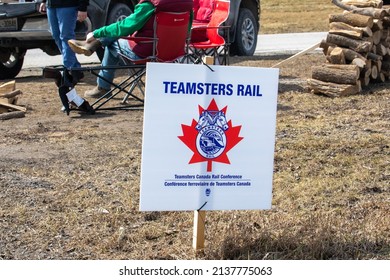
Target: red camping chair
[
  {"x": 217, "y": 33},
  {"x": 166, "y": 48}
]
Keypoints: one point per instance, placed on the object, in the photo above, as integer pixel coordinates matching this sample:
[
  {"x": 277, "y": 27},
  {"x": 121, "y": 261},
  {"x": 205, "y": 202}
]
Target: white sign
[{"x": 208, "y": 137}]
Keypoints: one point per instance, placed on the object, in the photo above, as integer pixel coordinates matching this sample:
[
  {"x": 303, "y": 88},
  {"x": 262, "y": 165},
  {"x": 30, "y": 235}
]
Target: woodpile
[
  {"x": 357, "y": 49},
  {"x": 8, "y": 99}
]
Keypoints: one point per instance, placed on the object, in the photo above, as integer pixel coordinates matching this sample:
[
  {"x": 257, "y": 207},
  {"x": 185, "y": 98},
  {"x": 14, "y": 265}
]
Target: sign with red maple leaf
[{"x": 208, "y": 138}]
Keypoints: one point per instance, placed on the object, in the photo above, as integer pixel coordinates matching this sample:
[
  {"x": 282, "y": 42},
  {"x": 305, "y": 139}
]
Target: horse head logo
[{"x": 212, "y": 118}]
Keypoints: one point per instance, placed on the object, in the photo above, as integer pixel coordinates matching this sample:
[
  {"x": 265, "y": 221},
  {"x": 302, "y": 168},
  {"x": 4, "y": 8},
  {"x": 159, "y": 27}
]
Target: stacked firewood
[
  {"x": 357, "y": 49},
  {"x": 8, "y": 102}
]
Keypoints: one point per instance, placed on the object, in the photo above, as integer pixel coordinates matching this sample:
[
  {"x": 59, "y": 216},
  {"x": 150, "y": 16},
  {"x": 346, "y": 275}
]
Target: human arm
[{"x": 129, "y": 25}]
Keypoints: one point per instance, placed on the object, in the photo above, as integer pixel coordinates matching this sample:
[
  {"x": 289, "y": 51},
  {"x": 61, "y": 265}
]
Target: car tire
[
  {"x": 117, "y": 12},
  {"x": 11, "y": 68},
  {"x": 246, "y": 34}
]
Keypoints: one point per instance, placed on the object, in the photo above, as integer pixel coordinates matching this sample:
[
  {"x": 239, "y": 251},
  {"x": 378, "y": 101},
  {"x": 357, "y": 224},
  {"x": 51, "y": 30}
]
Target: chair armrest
[
  {"x": 140, "y": 39},
  {"x": 210, "y": 27}
]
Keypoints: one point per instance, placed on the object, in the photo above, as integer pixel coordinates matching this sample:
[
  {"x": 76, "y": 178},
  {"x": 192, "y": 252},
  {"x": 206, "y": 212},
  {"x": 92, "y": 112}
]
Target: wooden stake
[
  {"x": 297, "y": 55},
  {"x": 199, "y": 230}
]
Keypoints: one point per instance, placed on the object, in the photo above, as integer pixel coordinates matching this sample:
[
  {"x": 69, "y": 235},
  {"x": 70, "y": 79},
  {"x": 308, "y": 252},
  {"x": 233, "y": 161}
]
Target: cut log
[
  {"x": 336, "y": 56},
  {"x": 386, "y": 21},
  {"x": 381, "y": 50},
  {"x": 374, "y": 72},
  {"x": 326, "y": 47},
  {"x": 365, "y": 80},
  {"x": 12, "y": 115},
  {"x": 344, "y": 29},
  {"x": 366, "y": 31},
  {"x": 333, "y": 89},
  {"x": 364, "y": 3},
  {"x": 376, "y": 37},
  {"x": 339, "y": 74},
  {"x": 351, "y": 55},
  {"x": 378, "y": 25},
  {"x": 352, "y": 19},
  {"x": 374, "y": 56},
  {"x": 359, "y": 63},
  {"x": 10, "y": 94},
  {"x": 380, "y": 79},
  {"x": 378, "y": 64},
  {"x": 342, "y": 41},
  {"x": 365, "y": 73}
]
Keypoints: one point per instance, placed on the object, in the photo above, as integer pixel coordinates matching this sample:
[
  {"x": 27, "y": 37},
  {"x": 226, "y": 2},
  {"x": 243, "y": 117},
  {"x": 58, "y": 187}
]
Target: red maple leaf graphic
[{"x": 190, "y": 134}]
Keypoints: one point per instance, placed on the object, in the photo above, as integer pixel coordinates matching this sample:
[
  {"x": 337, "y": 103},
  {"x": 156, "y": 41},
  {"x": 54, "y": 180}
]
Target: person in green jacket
[{"x": 107, "y": 36}]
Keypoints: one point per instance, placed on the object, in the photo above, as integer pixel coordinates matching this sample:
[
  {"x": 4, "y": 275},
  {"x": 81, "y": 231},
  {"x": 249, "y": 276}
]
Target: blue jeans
[
  {"x": 113, "y": 47},
  {"x": 62, "y": 25}
]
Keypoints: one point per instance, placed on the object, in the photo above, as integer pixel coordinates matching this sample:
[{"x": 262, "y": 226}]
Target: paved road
[
  {"x": 287, "y": 43},
  {"x": 268, "y": 44}
]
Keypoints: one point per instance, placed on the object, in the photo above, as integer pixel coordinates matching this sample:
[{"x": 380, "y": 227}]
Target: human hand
[
  {"x": 81, "y": 16},
  {"x": 90, "y": 37},
  {"x": 42, "y": 8}
]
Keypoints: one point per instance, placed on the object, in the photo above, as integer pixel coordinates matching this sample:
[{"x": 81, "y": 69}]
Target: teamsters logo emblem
[{"x": 211, "y": 137}]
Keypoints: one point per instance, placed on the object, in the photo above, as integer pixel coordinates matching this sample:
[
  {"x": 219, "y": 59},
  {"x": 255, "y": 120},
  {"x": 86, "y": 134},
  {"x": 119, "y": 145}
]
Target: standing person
[
  {"x": 140, "y": 24},
  {"x": 62, "y": 16}
]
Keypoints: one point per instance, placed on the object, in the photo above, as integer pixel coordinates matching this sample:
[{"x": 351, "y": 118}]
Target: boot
[
  {"x": 82, "y": 47},
  {"x": 97, "y": 92}
]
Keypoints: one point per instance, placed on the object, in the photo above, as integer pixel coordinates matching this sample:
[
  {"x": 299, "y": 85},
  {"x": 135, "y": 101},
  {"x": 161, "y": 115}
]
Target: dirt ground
[{"x": 69, "y": 185}]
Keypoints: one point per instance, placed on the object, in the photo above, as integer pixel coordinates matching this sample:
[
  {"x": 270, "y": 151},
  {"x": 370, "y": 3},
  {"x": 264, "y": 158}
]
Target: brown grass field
[{"x": 69, "y": 185}]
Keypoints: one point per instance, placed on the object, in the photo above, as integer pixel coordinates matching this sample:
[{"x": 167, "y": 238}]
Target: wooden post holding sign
[
  {"x": 208, "y": 139},
  {"x": 198, "y": 238}
]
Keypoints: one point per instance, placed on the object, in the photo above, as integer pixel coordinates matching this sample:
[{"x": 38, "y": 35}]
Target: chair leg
[
  {"x": 127, "y": 86},
  {"x": 136, "y": 83}
]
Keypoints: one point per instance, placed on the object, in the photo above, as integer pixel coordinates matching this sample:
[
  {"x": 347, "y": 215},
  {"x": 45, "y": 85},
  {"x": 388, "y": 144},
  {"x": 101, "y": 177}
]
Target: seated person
[{"x": 141, "y": 21}]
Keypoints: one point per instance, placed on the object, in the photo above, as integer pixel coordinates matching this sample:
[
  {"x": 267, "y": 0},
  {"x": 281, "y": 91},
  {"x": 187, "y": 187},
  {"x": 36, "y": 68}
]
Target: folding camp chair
[
  {"x": 170, "y": 39},
  {"x": 217, "y": 43},
  {"x": 169, "y": 43}
]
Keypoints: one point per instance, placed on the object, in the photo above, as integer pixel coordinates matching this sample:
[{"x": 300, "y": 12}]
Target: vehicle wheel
[
  {"x": 246, "y": 34},
  {"x": 11, "y": 68},
  {"x": 117, "y": 12}
]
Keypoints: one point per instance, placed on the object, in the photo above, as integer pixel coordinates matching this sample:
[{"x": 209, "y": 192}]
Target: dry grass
[
  {"x": 69, "y": 186},
  {"x": 286, "y": 16}
]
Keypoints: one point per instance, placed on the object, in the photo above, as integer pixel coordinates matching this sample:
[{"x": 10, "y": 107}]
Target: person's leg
[
  {"x": 125, "y": 49},
  {"x": 67, "y": 18},
  {"x": 111, "y": 58},
  {"x": 54, "y": 26}
]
